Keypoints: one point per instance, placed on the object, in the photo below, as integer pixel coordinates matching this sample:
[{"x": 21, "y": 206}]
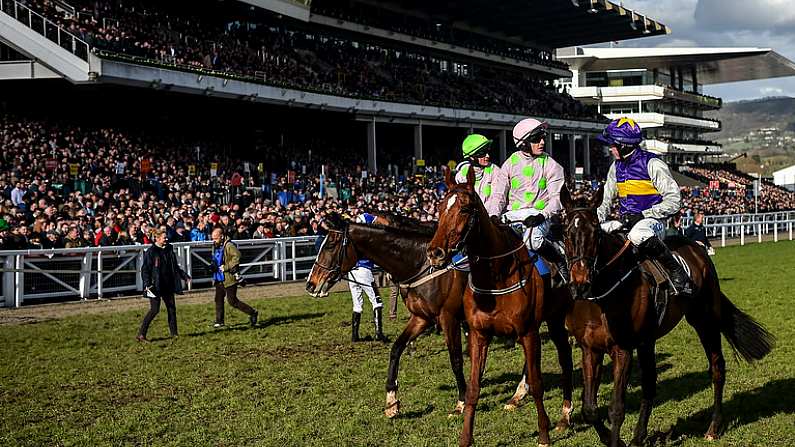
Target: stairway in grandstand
[{"x": 56, "y": 52}]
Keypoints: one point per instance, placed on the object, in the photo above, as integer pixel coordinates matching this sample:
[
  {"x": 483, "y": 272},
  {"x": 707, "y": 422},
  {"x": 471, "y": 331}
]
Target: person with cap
[
  {"x": 361, "y": 282},
  {"x": 534, "y": 183},
  {"x": 490, "y": 182},
  {"x": 647, "y": 196},
  {"x": 226, "y": 277}
]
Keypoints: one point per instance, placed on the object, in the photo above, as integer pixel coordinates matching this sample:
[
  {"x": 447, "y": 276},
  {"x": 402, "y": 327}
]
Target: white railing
[
  {"x": 744, "y": 226},
  {"x": 98, "y": 272},
  {"x": 46, "y": 28}
]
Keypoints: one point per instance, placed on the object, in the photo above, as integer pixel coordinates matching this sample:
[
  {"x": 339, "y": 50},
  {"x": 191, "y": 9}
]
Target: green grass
[{"x": 298, "y": 380}]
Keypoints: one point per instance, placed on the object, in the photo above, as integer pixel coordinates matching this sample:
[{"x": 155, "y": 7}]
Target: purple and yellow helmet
[{"x": 622, "y": 132}]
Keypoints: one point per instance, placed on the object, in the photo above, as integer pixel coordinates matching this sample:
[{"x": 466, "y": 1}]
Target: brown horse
[
  {"x": 614, "y": 313},
  {"x": 505, "y": 295}
]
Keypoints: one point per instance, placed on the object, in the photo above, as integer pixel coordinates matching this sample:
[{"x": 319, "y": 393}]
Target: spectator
[{"x": 698, "y": 233}]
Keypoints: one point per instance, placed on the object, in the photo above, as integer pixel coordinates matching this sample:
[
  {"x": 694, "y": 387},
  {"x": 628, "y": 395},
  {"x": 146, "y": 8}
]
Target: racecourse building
[
  {"x": 662, "y": 89},
  {"x": 421, "y": 66}
]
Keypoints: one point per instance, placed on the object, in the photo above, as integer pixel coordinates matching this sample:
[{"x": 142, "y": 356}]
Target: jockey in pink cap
[
  {"x": 490, "y": 182},
  {"x": 534, "y": 184}
]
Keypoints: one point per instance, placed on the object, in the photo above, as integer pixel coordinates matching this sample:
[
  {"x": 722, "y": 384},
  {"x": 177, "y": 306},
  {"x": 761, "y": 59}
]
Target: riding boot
[
  {"x": 655, "y": 248},
  {"x": 356, "y": 319},
  {"x": 549, "y": 251},
  {"x": 379, "y": 325}
]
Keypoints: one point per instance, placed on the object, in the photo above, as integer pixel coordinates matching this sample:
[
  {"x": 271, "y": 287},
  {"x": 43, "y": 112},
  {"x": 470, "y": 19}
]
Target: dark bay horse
[
  {"x": 398, "y": 245},
  {"x": 505, "y": 296},
  {"x": 399, "y": 249},
  {"x": 614, "y": 313}
]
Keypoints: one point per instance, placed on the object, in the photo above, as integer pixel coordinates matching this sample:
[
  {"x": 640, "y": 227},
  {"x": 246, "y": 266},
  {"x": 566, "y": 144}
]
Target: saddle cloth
[{"x": 461, "y": 263}]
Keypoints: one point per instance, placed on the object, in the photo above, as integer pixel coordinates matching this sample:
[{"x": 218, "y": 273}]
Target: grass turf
[{"x": 297, "y": 380}]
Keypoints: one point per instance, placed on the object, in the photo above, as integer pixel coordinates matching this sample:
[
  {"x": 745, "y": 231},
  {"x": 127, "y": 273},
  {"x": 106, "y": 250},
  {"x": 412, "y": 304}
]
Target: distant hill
[{"x": 741, "y": 117}]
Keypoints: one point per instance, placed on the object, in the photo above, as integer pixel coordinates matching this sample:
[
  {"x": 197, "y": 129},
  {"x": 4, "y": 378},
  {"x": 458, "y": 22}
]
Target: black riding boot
[
  {"x": 550, "y": 252},
  {"x": 379, "y": 325},
  {"x": 655, "y": 248},
  {"x": 356, "y": 319}
]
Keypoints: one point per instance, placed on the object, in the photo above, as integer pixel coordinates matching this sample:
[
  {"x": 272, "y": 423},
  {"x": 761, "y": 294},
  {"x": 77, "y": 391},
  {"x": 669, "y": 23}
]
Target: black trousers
[
  {"x": 154, "y": 309},
  {"x": 231, "y": 295}
]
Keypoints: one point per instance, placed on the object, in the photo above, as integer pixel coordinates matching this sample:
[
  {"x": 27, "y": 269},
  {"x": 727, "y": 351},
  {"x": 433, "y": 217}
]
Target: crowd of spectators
[
  {"x": 734, "y": 193},
  {"x": 430, "y": 29},
  {"x": 261, "y": 47},
  {"x": 67, "y": 186},
  {"x": 74, "y": 185}
]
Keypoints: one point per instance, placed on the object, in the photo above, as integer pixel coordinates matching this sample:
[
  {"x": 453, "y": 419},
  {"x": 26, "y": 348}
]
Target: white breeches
[
  {"x": 642, "y": 230},
  {"x": 363, "y": 276},
  {"x": 533, "y": 237}
]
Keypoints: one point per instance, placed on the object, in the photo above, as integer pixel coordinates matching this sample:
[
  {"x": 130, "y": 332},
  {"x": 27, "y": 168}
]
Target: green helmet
[{"x": 473, "y": 144}]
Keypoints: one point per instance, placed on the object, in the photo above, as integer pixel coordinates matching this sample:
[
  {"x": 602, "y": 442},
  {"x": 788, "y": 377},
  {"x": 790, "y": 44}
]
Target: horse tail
[{"x": 747, "y": 337}]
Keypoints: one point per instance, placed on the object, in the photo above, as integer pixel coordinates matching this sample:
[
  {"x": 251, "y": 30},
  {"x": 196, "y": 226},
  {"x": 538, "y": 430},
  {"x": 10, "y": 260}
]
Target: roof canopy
[
  {"x": 548, "y": 23},
  {"x": 714, "y": 65}
]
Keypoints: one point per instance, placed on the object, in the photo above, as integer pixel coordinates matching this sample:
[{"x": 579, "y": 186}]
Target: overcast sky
[{"x": 726, "y": 23}]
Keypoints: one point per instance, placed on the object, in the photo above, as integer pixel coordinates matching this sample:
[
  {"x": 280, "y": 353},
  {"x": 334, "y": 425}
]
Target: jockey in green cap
[{"x": 490, "y": 183}]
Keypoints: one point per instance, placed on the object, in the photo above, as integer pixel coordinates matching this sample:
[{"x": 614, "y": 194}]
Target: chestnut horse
[
  {"x": 614, "y": 313},
  {"x": 505, "y": 295}
]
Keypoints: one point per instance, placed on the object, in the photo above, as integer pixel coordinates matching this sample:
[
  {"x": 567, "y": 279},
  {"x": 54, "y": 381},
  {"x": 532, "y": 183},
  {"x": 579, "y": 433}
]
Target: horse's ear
[
  {"x": 596, "y": 198},
  {"x": 449, "y": 180},
  {"x": 565, "y": 198},
  {"x": 471, "y": 177}
]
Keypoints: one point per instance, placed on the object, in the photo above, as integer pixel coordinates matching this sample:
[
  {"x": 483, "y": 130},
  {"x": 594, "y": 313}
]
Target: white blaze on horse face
[
  {"x": 576, "y": 222},
  {"x": 451, "y": 202}
]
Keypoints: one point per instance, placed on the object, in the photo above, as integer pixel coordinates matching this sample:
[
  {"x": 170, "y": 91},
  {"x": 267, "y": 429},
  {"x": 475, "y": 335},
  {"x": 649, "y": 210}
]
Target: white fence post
[
  {"x": 742, "y": 234},
  {"x": 85, "y": 276},
  {"x": 723, "y": 236},
  {"x": 790, "y": 230},
  {"x": 139, "y": 264},
  {"x": 295, "y": 266},
  {"x": 188, "y": 266},
  {"x": 775, "y": 232},
  {"x": 759, "y": 233},
  {"x": 99, "y": 274},
  {"x": 19, "y": 281},
  {"x": 8, "y": 280}
]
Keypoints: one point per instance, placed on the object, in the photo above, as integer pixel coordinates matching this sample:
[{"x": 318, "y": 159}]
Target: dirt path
[{"x": 45, "y": 312}]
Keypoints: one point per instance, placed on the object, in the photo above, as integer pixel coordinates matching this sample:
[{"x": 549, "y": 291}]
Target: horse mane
[{"x": 404, "y": 225}]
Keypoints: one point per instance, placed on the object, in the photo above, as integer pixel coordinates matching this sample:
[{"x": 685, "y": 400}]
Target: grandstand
[
  {"x": 662, "y": 89},
  {"x": 438, "y": 68}
]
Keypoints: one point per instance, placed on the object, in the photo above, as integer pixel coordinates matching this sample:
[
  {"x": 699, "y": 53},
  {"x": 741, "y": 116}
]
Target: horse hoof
[
  {"x": 509, "y": 407},
  {"x": 393, "y": 410},
  {"x": 458, "y": 410}
]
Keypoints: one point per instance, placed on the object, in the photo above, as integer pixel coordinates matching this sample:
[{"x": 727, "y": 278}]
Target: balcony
[
  {"x": 662, "y": 119},
  {"x": 644, "y": 93}
]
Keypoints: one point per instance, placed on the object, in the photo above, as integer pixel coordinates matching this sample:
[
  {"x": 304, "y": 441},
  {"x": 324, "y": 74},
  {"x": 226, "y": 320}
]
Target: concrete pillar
[
  {"x": 503, "y": 145},
  {"x": 418, "y": 142},
  {"x": 586, "y": 159},
  {"x": 372, "y": 165},
  {"x": 572, "y": 155},
  {"x": 471, "y": 130},
  {"x": 548, "y": 143}
]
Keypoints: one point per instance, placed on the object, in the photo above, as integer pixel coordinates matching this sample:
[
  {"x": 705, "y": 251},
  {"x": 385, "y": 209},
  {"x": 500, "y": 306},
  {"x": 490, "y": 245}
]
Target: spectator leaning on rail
[
  {"x": 162, "y": 278},
  {"x": 647, "y": 196},
  {"x": 490, "y": 182},
  {"x": 226, "y": 277},
  {"x": 535, "y": 180},
  {"x": 696, "y": 232}
]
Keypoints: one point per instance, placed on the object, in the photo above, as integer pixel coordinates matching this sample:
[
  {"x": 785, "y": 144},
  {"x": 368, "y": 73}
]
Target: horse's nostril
[
  {"x": 436, "y": 253},
  {"x": 310, "y": 287}
]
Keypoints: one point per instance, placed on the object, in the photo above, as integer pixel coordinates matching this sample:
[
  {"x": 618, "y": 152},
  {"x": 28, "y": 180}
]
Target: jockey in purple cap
[
  {"x": 647, "y": 195},
  {"x": 534, "y": 184}
]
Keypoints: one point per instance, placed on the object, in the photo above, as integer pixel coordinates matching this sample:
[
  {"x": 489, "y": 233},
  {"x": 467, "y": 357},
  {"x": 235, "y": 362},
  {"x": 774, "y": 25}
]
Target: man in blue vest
[
  {"x": 361, "y": 282},
  {"x": 647, "y": 196}
]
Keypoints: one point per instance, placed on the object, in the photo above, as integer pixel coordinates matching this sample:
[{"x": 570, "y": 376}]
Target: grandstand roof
[
  {"x": 550, "y": 23},
  {"x": 714, "y": 65}
]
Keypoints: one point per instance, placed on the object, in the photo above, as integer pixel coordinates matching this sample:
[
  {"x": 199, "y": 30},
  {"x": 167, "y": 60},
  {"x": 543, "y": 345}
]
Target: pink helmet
[{"x": 526, "y": 128}]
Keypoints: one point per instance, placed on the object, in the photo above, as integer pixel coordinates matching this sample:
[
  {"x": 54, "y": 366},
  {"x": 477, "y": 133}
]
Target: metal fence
[
  {"x": 745, "y": 226},
  {"x": 97, "y": 272}
]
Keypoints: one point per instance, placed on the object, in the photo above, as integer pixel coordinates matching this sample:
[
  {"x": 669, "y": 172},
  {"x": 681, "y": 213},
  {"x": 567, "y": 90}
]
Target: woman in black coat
[{"x": 162, "y": 278}]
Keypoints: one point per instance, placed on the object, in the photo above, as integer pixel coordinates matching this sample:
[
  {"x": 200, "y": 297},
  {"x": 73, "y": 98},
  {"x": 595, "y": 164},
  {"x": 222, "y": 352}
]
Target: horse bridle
[
  {"x": 590, "y": 260},
  {"x": 336, "y": 270}
]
